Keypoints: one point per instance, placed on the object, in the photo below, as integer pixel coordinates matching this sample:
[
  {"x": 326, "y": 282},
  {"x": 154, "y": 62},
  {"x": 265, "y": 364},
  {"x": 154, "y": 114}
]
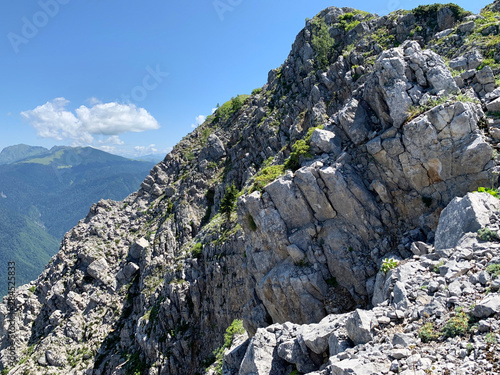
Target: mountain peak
[{"x": 12, "y": 154}]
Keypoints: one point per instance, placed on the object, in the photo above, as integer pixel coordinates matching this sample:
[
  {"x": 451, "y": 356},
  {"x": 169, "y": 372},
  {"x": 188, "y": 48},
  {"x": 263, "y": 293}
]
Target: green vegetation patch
[
  {"x": 197, "y": 250},
  {"x": 457, "y": 325},
  {"x": 428, "y": 333},
  {"x": 486, "y": 234},
  {"x": 266, "y": 176},
  {"x": 236, "y": 328},
  {"x": 491, "y": 191},
  {"x": 225, "y": 111},
  {"x": 228, "y": 202},
  {"x": 388, "y": 264},
  {"x": 300, "y": 149},
  {"x": 430, "y": 11},
  {"x": 493, "y": 270},
  {"x": 382, "y": 37},
  {"x": 348, "y": 21},
  {"x": 415, "y": 111},
  {"x": 322, "y": 42}
]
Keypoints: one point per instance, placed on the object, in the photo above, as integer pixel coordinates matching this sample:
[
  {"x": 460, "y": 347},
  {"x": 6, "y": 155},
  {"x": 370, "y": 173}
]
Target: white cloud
[
  {"x": 53, "y": 120},
  {"x": 93, "y": 101},
  {"x": 199, "y": 120},
  {"x": 114, "y": 140},
  {"x": 145, "y": 150}
]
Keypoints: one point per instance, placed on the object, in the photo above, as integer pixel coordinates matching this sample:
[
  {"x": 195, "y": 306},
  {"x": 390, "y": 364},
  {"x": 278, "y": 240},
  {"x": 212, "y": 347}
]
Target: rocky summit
[{"x": 342, "y": 219}]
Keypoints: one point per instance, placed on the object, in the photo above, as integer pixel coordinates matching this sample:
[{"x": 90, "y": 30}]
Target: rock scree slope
[{"x": 279, "y": 211}]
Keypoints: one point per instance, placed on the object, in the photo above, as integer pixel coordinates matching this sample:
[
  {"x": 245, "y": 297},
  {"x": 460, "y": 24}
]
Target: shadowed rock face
[{"x": 345, "y": 157}]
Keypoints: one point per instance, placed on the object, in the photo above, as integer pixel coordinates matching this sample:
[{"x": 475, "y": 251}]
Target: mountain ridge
[{"x": 346, "y": 157}]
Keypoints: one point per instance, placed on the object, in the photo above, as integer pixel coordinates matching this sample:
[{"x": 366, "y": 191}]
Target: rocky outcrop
[
  {"x": 347, "y": 156},
  {"x": 426, "y": 299}
]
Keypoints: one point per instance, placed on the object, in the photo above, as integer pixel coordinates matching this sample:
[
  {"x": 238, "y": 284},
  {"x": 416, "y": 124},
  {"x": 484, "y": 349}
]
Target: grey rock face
[
  {"x": 159, "y": 277},
  {"x": 98, "y": 269},
  {"x": 325, "y": 141},
  {"x": 486, "y": 307},
  {"x": 359, "y": 326},
  {"x": 214, "y": 149},
  {"x": 260, "y": 358},
  {"x": 391, "y": 84},
  {"x": 353, "y": 366},
  {"x": 464, "y": 215}
]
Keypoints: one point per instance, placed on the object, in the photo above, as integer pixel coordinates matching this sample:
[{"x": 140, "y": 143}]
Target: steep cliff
[{"x": 346, "y": 156}]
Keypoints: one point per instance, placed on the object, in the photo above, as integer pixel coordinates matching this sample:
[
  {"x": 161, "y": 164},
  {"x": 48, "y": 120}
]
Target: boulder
[
  {"x": 260, "y": 357},
  {"x": 316, "y": 336},
  {"x": 214, "y": 150},
  {"x": 234, "y": 356},
  {"x": 137, "y": 249},
  {"x": 487, "y": 306},
  {"x": 98, "y": 269},
  {"x": 325, "y": 141},
  {"x": 354, "y": 367},
  {"x": 355, "y": 121},
  {"x": 464, "y": 215},
  {"x": 359, "y": 326}
]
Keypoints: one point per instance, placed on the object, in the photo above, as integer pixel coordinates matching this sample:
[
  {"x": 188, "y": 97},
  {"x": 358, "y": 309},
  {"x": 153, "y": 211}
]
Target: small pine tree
[{"x": 228, "y": 202}]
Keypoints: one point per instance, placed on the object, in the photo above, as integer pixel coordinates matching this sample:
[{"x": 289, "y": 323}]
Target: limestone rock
[
  {"x": 259, "y": 358},
  {"x": 325, "y": 141},
  {"x": 98, "y": 269},
  {"x": 488, "y": 306},
  {"x": 463, "y": 215},
  {"x": 359, "y": 326}
]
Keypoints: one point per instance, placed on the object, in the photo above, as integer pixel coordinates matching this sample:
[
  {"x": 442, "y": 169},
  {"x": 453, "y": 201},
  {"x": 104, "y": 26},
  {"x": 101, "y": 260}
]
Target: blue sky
[{"x": 133, "y": 77}]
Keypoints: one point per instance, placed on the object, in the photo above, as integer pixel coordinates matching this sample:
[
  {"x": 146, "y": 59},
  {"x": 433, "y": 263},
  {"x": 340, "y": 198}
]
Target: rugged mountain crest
[{"x": 346, "y": 156}]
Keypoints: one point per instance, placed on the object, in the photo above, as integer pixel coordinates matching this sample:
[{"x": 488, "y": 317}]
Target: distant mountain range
[{"x": 44, "y": 193}]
